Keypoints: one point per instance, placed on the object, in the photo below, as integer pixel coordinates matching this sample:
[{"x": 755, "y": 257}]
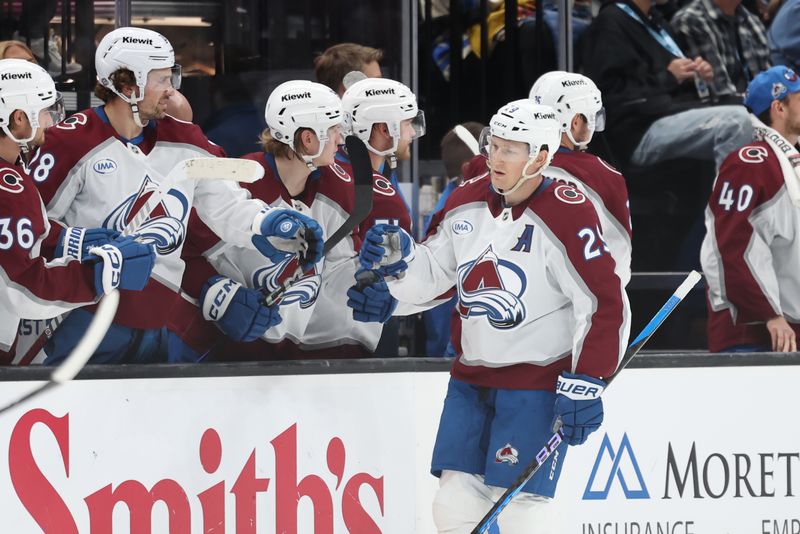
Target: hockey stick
[
  {"x": 200, "y": 168},
  {"x": 362, "y": 206},
  {"x": 556, "y": 439},
  {"x": 81, "y": 353}
]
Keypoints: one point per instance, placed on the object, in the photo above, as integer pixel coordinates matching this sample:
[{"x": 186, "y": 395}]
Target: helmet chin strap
[
  {"x": 582, "y": 144},
  {"x": 23, "y": 143},
  {"x": 136, "y": 118},
  {"x": 524, "y": 178},
  {"x": 390, "y": 154}
]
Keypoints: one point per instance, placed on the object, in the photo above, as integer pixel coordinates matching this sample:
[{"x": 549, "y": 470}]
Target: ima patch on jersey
[
  {"x": 304, "y": 291},
  {"x": 165, "y": 227},
  {"x": 492, "y": 287}
]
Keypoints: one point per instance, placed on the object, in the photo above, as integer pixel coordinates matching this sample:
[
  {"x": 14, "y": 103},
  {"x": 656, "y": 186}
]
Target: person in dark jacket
[{"x": 658, "y": 103}]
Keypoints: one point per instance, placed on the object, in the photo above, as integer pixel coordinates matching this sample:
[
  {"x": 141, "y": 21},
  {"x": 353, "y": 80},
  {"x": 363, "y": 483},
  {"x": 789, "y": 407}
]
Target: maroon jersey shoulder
[{"x": 171, "y": 130}]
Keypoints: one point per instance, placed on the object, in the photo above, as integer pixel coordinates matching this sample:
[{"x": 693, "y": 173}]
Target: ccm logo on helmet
[
  {"x": 16, "y": 76},
  {"x": 297, "y": 96},
  {"x": 376, "y": 92},
  {"x": 572, "y": 83},
  {"x": 134, "y": 40}
]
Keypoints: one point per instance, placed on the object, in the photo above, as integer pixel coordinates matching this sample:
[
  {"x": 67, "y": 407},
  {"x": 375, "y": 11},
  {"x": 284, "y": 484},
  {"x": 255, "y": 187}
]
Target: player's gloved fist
[
  {"x": 283, "y": 232},
  {"x": 370, "y": 298},
  {"x": 386, "y": 248},
  {"x": 74, "y": 241},
  {"x": 137, "y": 261},
  {"x": 578, "y": 407},
  {"x": 108, "y": 269},
  {"x": 237, "y": 310}
]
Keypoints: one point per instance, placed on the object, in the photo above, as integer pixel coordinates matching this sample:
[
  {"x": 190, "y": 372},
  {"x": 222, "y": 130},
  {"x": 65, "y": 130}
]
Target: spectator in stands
[
  {"x": 784, "y": 35},
  {"x": 333, "y": 64},
  {"x": 458, "y": 146},
  {"x": 751, "y": 251},
  {"x": 656, "y": 98},
  {"x": 16, "y": 50},
  {"x": 732, "y": 39}
]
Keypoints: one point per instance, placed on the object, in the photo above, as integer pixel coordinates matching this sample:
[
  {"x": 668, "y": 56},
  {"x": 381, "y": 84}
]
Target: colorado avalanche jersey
[
  {"x": 308, "y": 306},
  {"x": 751, "y": 252},
  {"x": 537, "y": 290},
  {"x": 605, "y": 188},
  {"x": 32, "y": 286},
  {"x": 388, "y": 206},
  {"x": 89, "y": 176}
]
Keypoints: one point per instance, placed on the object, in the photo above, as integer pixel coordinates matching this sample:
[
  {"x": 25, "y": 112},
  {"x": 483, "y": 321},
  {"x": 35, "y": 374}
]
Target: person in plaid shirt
[{"x": 731, "y": 38}]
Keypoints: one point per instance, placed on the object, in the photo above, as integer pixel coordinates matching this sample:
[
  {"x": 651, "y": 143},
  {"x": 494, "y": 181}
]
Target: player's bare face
[
  {"x": 156, "y": 94},
  {"x": 328, "y": 155},
  {"x": 507, "y": 160}
]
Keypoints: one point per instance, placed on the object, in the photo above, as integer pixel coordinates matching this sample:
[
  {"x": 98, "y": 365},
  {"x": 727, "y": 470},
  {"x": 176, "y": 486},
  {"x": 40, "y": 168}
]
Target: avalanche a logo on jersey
[
  {"x": 304, "y": 291},
  {"x": 164, "y": 227},
  {"x": 493, "y": 288}
]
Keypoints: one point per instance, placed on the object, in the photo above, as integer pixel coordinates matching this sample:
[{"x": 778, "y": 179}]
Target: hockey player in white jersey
[
  {"x": 100, "y": 166},
  {"x": 579, "y": 110},
  {"x": 46, "y": 270},
  {"x": 304, "y": 121},
  {"x": 543, "y": 319}
]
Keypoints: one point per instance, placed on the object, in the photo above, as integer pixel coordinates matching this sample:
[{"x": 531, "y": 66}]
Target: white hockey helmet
[
  {"x": 525, "y": 122},
  {"x": 570, "y": 94},
  {"x": 29, "y": 88},
  {"x": 302, "y": 104},
  {"x": 138, "y": 50},
  {"x": 380, "y": 100}
]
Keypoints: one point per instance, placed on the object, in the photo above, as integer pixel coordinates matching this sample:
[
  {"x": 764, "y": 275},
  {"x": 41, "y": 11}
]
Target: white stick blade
[{"x": 237, "y": 170}]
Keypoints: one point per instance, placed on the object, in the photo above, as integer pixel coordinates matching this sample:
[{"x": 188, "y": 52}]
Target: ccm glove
[
  {"x": 370, "y": 298},
  {"x": 578, "y": 407},
  {"x": 387, "y": 248},
  {"x": 283, "y": 232},
  {"x": 237, "y": 310},
  {"x": 74, "y": 242}
]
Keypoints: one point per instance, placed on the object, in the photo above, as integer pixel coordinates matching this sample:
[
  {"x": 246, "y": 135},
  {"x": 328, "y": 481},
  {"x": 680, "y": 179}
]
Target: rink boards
[{"x": 684, "y": 449}]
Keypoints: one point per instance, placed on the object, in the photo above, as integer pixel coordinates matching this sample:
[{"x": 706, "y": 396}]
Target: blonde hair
[
  {"x": 6, "y": 45},
  {"x": 270, "y": 145}
]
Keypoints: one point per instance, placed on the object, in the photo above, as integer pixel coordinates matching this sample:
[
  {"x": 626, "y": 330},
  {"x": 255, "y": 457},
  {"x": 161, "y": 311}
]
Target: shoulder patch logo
[
  {"x": 11, "y": 181},
  {"x": 72, "y": 122},
  {"x": 382, "y": 186},
  {"x": 339, "y": 171},
  {"x": 753, "y": 154},
  {"x": 569, "y": 195},
  {"x": 462, "y": 227},
  {"x": 105, "y": 166}
]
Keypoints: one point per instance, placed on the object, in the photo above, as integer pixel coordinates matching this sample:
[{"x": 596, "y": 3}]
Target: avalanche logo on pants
[
  {"x": 492, "y": 287},
  {"x": 164, "y": 227},
  {"x": 506, "y": 454}
]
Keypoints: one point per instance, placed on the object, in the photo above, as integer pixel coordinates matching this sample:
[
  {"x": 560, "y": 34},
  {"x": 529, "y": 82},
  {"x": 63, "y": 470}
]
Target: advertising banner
[{"x": 682, "y": 451}]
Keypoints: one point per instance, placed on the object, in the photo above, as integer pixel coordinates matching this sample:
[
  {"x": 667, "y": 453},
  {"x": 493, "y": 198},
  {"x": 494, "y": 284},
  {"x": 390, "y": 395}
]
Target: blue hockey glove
[
  {"x": 108, "y": 269},
  {"x": 237, "y": 310},
  {"x": 138, "y": 260},
  {"x": 387, "y": 248},
  {"x": 285, "y": 232},
  {"x": 74, "y": 241},
  {"x": 370, "y": 298},
  {"x": 578, "y": 406}
]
